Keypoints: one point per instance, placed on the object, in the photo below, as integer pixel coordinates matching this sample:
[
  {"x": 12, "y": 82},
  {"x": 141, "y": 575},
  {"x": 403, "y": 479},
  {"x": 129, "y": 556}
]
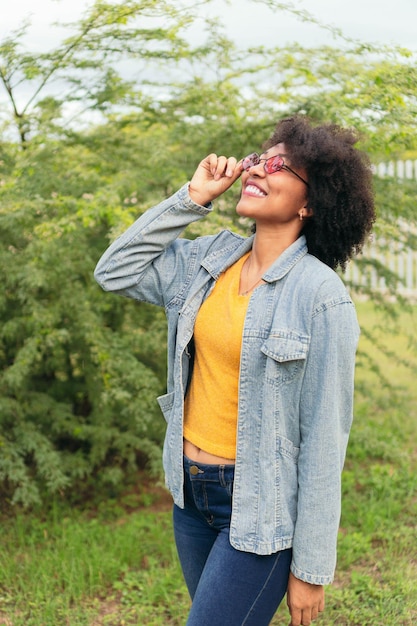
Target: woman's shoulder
[
  {"x": 320, "y": 269},
  {"x": 322, "y": 280}
]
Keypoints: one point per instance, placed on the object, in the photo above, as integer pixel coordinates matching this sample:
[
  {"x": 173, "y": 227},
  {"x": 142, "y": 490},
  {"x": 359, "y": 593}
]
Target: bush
[{"x": 80, "y": 369}]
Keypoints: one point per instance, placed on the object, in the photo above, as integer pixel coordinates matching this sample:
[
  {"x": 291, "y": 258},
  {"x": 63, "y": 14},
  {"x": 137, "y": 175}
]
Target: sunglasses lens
[
  {"x": 250, "y": 161},
  {"x": 274, "y": 164}
]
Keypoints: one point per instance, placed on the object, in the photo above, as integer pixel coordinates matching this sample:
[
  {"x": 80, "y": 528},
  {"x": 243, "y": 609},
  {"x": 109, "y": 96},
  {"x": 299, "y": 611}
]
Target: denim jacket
[{"x": 296, "y": 377}]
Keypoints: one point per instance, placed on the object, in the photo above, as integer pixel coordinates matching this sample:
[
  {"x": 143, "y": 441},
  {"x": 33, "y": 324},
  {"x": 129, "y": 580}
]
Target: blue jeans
[{"x": 228, "y": 587}]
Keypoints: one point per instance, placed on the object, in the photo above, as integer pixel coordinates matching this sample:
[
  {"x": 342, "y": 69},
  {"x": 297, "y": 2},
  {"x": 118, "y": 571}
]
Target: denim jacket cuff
[
  {"x": 313, "y": 579},
  {"x": 184, "y": 195}
]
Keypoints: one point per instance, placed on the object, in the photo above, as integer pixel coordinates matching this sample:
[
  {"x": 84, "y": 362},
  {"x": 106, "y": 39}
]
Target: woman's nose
[{"x": 256, "y": 170}]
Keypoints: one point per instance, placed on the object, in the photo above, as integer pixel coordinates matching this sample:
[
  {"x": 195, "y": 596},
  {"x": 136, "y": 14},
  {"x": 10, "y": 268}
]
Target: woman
[{"x": 261, "y": 347}]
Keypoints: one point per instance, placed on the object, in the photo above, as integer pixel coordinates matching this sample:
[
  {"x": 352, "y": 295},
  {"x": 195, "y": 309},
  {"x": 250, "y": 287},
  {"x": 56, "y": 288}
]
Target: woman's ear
[{"x": 307, "y": 212}]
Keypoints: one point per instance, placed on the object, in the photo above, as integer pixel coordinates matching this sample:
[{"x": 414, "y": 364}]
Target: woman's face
[{"x": 274, "y": 199}]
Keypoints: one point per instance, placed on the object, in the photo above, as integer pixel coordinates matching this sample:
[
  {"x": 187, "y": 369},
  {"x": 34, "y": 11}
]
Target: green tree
[
  {"x": 79, "y": 373},
  {"x": 83, "y": 73}
]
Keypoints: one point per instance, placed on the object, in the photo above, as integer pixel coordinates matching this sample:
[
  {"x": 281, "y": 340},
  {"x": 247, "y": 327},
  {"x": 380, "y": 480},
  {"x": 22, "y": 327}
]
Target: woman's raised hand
[{"x": 214, "y": 175}]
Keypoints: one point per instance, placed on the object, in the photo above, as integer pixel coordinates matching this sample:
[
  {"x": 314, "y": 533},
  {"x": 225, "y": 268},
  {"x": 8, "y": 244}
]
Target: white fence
[
  {"x": 402, "y": 169},
  {"x": 399, "y": 260}
]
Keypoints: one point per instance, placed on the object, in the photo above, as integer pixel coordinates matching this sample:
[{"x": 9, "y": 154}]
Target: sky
[{"x": 248, "y": 23}]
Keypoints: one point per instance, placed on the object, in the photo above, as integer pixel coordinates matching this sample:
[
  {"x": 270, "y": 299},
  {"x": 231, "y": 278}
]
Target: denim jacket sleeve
[
  {"x": 145, "y": 262},
  {"x": 326, "y": 408}
]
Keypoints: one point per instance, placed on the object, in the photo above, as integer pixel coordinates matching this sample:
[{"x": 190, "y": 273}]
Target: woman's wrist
[{"x": 197, "y": 197}]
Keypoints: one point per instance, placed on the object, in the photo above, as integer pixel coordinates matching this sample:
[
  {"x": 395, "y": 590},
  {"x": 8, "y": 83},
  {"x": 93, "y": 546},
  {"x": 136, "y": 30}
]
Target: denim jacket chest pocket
[{"x": 287, "y": 353}]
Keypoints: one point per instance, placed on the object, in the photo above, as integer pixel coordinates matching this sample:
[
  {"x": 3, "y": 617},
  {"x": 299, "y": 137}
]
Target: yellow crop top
[{"x": 211, "y": 403}]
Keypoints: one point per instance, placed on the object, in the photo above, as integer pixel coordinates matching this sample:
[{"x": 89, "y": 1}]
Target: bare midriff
[{"x": 201, "y": 456}]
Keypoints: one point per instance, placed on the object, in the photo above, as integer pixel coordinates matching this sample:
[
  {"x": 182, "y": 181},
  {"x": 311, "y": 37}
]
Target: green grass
[{"x": 114, "y": 564}]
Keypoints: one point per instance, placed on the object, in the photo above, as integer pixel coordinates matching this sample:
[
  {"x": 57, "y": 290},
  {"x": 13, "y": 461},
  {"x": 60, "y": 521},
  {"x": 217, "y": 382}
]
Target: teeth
[{"x": 254, "y": 190}]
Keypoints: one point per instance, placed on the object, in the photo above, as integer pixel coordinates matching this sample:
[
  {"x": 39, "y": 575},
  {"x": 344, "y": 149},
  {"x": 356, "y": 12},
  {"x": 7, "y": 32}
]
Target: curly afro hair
[{"x": 340, "y": 192}]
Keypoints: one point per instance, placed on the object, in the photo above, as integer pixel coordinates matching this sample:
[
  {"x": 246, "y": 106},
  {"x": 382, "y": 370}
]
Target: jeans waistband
[{"x": 208, "y": 471}]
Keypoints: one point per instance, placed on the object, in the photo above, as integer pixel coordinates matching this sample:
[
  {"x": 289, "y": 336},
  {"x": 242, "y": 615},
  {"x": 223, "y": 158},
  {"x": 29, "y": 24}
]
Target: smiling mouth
[{"x": 254, "y": 191}]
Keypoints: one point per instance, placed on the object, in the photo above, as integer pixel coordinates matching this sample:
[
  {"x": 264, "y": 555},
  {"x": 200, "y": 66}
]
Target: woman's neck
[{"x": 267, "y": 247}]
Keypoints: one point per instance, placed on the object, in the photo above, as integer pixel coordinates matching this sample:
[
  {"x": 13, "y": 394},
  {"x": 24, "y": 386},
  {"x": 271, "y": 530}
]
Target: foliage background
[{"x": 84, "y": 151}]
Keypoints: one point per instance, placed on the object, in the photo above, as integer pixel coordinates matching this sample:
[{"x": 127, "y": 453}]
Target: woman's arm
[
  {"x": 326, "y": 410},
  {"x": 147, "y": 262},
  {"x": 143, "y": 262}
]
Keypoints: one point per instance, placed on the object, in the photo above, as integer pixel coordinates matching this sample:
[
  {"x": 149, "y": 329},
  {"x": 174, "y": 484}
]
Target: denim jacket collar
[{"x": 217, "y": 262}]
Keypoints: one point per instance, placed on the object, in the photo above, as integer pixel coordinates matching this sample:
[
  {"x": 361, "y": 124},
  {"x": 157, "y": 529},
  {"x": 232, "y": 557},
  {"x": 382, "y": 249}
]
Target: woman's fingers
[
  {"x": 214, "y": 175},
  {"x": 222, "y": 166}
]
